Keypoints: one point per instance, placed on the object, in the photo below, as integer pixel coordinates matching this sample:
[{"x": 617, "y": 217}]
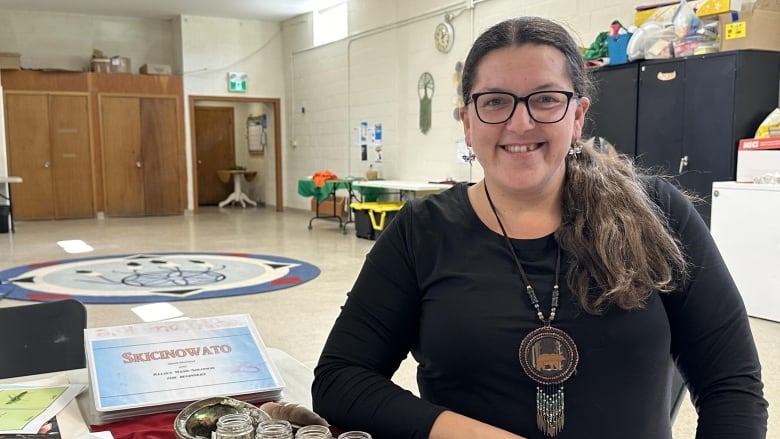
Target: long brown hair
[{"x": 618, "y": 240}]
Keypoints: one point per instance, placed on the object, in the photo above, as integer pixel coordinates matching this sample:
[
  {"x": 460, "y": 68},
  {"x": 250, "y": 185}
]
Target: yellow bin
[{"x": 372, "y": 217}]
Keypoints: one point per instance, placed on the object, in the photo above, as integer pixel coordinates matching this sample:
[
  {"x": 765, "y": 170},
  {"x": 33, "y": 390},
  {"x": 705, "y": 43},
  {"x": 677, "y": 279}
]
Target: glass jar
[
  {"x": 274, "y": 429},
  {"x": 234, "y": 426},
  {"x": 354, "y": 435},
  {"x": 313, "y": 432}
]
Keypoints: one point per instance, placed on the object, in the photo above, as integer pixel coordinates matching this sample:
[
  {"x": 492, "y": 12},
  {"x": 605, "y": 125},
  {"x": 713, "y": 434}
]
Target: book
[
  {"x": 157, "y": 367},
  {"x": 26, "y": 409}
]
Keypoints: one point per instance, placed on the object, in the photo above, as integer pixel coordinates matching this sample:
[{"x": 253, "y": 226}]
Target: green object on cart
[{"x": 369, "y": 194}]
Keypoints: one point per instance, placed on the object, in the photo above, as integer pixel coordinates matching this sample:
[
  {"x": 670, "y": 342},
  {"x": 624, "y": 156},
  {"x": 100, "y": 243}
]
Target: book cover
[{"x": 163, "y": 365}]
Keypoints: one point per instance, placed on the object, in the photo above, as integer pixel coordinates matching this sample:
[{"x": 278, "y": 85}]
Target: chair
[{"x": 42, "y": 337}]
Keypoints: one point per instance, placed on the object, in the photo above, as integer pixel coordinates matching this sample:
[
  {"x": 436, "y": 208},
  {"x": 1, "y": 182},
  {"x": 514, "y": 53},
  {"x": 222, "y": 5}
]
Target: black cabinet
[
  {"x": 612, "y": 114},
  {"x": 690, "y": 113}
]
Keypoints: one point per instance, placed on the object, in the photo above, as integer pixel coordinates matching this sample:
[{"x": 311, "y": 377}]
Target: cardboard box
[
  {"x": 755, "y": 29},
  {"x": 326, "y": 207},
  {"x": 10, "y": 61},
  {"x": 757, "y": 157},
  {"x": 120, "y": 64},
  {"x": 711, "y": 8},
  {"x": 155, "y": 69}
]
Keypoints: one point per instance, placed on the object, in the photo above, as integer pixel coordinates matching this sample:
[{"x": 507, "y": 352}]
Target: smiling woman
[{"x": 555, "y": 297}]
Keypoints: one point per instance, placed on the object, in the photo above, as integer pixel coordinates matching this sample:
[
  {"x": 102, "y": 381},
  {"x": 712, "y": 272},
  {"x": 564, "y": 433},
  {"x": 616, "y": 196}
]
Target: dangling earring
[{"x": 575, "y": 150}]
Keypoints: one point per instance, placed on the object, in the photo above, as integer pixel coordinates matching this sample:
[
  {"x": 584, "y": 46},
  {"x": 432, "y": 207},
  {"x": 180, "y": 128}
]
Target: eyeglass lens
[{"x": 543, "y": 106}]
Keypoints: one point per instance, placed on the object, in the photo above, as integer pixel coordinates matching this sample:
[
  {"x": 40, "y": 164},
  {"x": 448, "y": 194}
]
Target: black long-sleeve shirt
[{"x": 441, "y": 285}]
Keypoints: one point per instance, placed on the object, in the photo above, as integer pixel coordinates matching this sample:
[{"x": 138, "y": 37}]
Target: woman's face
[{"x": 521, "y": 154}]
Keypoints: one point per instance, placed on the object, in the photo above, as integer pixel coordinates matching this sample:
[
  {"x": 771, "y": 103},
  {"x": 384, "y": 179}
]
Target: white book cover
[{"x": 165, "y": 363}]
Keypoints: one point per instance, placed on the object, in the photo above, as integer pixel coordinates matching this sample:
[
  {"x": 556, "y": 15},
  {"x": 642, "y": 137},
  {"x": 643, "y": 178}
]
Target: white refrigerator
[{"x": 745, "y": 224}]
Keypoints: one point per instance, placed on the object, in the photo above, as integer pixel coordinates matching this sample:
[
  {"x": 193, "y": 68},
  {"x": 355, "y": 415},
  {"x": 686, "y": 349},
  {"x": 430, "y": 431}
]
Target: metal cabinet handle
[
  {"x": 46, "y": 164},
  {"x": 683, "y": 164},
  {"x": 137, "y": 164}
]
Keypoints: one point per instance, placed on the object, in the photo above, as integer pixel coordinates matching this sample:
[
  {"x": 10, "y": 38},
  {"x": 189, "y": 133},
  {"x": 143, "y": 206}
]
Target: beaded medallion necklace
[{"x": 548, "y": 355}]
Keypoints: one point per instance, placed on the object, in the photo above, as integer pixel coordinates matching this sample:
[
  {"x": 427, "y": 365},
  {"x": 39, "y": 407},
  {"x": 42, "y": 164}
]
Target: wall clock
[{"x": 444, "y": 36}]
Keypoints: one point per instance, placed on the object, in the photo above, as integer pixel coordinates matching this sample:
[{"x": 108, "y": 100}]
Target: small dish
[{"x": 199, "y": 419}]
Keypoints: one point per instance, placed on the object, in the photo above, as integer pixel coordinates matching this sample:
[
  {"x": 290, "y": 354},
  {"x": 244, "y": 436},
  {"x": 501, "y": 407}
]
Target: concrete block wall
[{"x": 390, "y": 46}]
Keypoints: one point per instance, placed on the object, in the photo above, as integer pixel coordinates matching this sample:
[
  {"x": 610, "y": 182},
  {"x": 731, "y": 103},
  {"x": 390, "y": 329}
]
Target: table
[
  {"x": 7, "y": 195},
  {"x": 297, "y": 378},
  {"x": 307, "y": 188},
  {"x": 238, "y": 196},
  {"x": 405, "y": 188}
]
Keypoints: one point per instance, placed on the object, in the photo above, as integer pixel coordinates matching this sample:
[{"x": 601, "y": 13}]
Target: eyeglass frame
[{"x": 569, "y": 95}]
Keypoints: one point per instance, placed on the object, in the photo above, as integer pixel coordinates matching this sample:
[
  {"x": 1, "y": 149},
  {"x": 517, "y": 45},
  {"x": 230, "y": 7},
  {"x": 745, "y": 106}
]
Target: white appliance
[{"x": 745, "y": 224}]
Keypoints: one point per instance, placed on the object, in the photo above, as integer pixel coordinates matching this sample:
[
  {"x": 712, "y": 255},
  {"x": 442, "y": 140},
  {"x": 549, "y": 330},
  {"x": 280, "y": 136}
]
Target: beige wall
[
  {"x": 372, "y": 76},
  {"x": 212, "y": 47},
  {"x": 66, "y": 41}
]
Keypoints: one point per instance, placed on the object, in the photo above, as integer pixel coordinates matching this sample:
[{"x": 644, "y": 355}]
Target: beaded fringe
[{"x": 549, "y": 409}]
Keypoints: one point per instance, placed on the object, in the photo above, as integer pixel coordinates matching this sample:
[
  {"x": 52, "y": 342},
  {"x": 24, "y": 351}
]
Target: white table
[
  {"x": 404, "y": 187},
  {"x": 237, "y": 195},
  {"x": 7, "y": 195}
]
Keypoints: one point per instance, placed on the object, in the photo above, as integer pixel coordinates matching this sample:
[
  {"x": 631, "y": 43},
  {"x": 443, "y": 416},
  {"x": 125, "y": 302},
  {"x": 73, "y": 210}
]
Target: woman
[{"x": 548, "y": 299}]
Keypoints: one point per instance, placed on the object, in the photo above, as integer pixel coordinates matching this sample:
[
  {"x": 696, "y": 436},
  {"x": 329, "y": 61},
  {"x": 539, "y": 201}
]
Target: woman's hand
[{"x": 450, "y": 425}]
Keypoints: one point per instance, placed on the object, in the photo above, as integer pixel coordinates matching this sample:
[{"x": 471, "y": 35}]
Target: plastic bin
[{"x": 371, "y": 218}]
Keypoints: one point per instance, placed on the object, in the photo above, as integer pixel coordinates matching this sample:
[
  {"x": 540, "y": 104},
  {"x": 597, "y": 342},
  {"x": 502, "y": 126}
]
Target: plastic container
[{"x": 373, "y": 217}]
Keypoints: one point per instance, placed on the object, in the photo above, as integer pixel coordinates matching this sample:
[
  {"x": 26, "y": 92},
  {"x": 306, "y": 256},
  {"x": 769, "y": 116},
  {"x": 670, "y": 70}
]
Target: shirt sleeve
[
  {"x": 712, "y": 343},
  {"x": 377, "y": 327}
]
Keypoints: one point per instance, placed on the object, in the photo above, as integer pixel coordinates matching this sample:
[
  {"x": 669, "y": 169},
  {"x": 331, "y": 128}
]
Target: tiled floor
[{"x": 295, "y": 320}]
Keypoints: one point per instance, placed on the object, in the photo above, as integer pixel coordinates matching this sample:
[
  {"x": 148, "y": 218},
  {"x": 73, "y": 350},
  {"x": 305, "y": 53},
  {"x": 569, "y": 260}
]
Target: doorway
[
  {"x": 215, "y": 149},
  {"x": 274, "y": 144}
]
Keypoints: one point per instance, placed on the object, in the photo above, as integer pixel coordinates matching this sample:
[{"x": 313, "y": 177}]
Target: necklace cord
[{"x": 529, "y": 289}]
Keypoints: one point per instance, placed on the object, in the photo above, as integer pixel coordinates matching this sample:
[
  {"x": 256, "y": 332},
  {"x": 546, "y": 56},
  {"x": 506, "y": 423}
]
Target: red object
[
  {"x": 147, "y": 427},
  {"x": 765, "y": 143}
]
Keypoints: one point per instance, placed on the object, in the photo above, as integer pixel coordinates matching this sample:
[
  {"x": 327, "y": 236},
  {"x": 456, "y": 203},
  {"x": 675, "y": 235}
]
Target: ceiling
[{"x": 269, "y": 10}]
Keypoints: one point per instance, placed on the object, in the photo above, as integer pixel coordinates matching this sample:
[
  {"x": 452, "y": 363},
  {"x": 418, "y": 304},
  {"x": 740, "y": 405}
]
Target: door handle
[
  {"x": 46, "y": 164},
  {"x": 138, "y": 164},
  {"x": 683, "y": 163}
]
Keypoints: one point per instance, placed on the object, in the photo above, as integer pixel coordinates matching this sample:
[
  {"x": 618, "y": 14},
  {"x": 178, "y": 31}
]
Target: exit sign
[{"x": 237, "y": 82}]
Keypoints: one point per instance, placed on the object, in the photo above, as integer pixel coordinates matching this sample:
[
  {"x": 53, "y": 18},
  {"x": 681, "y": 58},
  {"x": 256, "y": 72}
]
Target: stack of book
[{"x": 158, "y": 367}]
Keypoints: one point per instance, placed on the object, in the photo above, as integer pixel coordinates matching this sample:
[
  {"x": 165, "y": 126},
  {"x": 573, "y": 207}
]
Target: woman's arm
[{"x": 450, "y": 425}]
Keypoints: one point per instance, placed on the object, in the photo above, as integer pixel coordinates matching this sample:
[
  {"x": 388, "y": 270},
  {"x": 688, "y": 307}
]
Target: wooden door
[
  {"x": 29, "y": 154},
  {"x": 160, "y": 140},
  {"x": 71, "y": 156},
  {"x": 120, "y": 119},
  {"x": 215, "y": 149}
]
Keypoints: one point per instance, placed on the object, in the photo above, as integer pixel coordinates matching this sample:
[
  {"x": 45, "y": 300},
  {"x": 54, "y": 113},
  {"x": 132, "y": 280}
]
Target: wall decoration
[
  {"x": 456, "y": 81},
  {"x": 256, "y": 135},
  {"x": 376, "y": 141},
  {"x": 425, "y": 88}
]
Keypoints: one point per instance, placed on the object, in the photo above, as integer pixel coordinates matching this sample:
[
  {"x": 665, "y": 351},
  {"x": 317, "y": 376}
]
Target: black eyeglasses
[{"x": 549, "y": 106}]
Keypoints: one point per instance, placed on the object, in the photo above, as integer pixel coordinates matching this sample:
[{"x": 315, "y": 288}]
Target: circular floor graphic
[{"x": 154, "y": 277}]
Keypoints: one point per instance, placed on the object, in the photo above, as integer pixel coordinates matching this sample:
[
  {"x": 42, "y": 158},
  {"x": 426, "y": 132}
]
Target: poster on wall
[
  {"x": 376, "y": 142},
  {"x": 257, "y": 137}
]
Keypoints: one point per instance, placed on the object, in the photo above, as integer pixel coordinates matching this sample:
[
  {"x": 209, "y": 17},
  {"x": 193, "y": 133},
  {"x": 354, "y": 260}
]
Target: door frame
[{"x": 276, "y": 103}]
